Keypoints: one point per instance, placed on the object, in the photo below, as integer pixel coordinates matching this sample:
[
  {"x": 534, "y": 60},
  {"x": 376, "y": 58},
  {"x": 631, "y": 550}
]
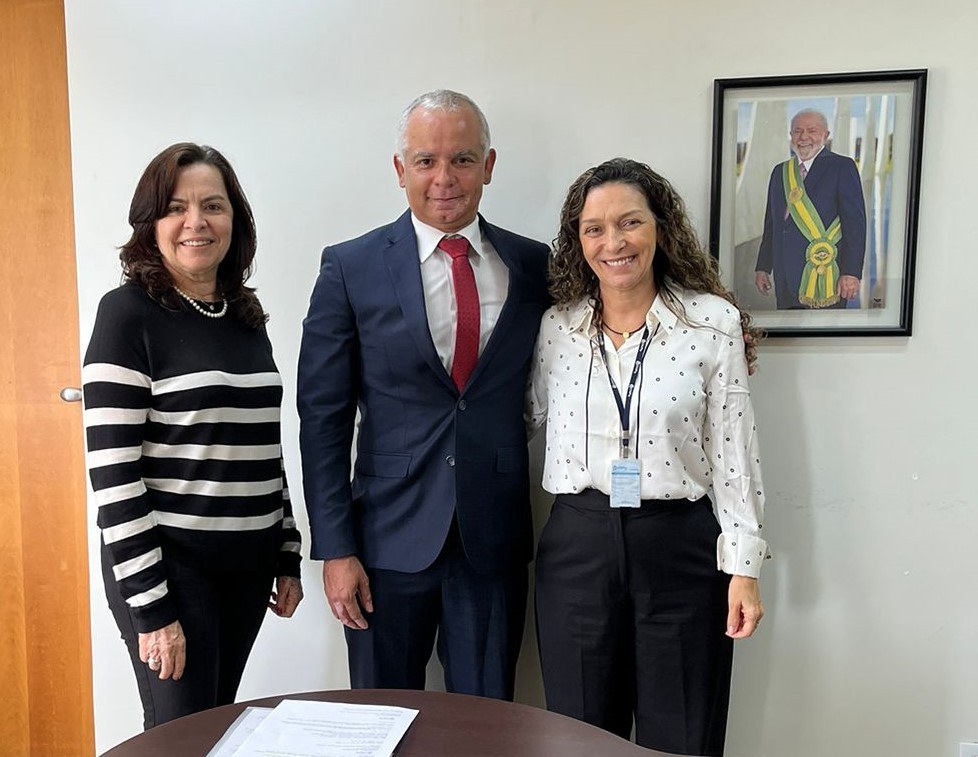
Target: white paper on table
[
  {"x": 238, "y": 731},
  {"x": 328, "y": 729}
]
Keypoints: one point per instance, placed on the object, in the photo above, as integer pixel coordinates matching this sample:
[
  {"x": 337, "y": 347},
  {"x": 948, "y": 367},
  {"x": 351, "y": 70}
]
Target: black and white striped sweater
[{"x": 184, "y": 448}]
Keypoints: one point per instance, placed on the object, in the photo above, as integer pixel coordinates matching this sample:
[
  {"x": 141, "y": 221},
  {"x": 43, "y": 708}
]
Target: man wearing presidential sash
[{"x": 814, "y": 238}]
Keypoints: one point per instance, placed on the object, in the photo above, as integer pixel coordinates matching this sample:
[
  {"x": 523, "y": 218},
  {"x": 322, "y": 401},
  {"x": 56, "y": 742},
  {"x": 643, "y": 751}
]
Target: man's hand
[
  {"x": 848, "y": 287},
  {"x": 345, "y": 581},
  {"x": 763, "y": 282}
]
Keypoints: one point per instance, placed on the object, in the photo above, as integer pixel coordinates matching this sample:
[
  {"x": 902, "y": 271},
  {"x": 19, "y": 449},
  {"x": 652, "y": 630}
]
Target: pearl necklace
[{"x": 196, "y": 305}]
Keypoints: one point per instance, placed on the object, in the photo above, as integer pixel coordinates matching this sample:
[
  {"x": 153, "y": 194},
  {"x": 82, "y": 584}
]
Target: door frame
[{"x": 45, "y": 636}]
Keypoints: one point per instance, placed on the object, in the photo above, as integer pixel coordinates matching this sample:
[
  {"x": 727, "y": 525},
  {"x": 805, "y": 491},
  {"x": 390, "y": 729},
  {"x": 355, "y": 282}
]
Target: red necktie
[{"x": 466, "y": 310}]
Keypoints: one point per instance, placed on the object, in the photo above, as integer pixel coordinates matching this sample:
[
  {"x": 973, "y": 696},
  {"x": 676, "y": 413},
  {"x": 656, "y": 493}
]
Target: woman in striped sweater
[{"x": 182, "y": 404}]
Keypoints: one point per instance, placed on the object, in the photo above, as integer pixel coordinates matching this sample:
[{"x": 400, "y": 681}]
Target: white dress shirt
[
  {"x": 491, "y": 280},
  {"x": 691, "y": 420}
]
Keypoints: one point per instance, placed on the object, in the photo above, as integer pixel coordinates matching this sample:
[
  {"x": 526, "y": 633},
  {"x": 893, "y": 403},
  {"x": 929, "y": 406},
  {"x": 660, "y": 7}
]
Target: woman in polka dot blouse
[{"x": 643, "y": 583}]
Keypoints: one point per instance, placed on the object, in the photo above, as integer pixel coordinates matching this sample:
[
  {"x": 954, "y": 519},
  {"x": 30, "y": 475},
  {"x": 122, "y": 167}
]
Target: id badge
[{"x": 626, "y": 478}]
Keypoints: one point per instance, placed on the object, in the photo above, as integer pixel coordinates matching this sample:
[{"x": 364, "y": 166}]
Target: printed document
[{"x": 327, "y": 729}]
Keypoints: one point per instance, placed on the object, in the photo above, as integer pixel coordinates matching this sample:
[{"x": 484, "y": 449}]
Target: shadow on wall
[{"x": 790, "y": 581}]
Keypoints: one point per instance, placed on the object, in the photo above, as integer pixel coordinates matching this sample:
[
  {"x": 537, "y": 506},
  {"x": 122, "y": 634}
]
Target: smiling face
[
  {"x": 195, "y": 233},
  {"x": 618, "y": 236},
  {"x": 808, "y": 134},
  {"x": 444, "y": 168}
]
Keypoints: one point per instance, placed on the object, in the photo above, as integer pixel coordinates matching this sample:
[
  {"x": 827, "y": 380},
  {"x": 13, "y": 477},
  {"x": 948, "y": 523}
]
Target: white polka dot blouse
[{"x": 692, "y": 424}]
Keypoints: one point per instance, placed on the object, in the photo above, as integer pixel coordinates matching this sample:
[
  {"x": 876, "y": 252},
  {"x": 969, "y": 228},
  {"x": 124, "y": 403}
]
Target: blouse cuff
[{"x": 741, "y": 554}]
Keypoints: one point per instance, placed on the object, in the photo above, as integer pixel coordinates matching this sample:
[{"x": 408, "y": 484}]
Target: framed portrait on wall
[{"x": 813, "y": 213}]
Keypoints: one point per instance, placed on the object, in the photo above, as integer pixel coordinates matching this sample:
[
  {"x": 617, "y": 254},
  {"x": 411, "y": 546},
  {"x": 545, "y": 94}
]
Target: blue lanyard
[{"x": 624, "y": 408}]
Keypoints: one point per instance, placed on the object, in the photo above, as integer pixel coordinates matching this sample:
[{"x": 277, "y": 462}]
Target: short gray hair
[
  {"x": 810, "y": 112},
  {"x": 448, "y": 101}
]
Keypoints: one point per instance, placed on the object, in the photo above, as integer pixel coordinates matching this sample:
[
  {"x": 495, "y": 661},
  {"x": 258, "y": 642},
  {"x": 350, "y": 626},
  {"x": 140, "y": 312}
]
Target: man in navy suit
[
  {"x": 814, "y": 238},
  {"x": 433, "y": 535}
]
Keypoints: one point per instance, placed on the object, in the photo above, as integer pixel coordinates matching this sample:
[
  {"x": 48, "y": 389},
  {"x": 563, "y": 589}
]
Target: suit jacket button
[
  {"x": 451, "y": 461},
  {"x": 462, "y": 405}
]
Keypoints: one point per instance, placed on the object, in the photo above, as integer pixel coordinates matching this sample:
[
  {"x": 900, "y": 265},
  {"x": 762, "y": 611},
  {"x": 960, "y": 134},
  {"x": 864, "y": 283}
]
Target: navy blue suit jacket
[
  {"x": 834, "y": 188},
  {"x": 423, "y": 451}
]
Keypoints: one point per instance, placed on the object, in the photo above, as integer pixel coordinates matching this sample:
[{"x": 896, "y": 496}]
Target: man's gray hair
[
  {"x": 811, "y": 112},
  {"x": 448, "y": 101}
]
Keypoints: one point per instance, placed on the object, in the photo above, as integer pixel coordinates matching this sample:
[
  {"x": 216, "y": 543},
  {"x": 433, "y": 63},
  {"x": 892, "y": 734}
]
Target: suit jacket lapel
[
  {"x": 819, "y": 167},
  {"x": 404, "y": 267},
  {"x": 513, "y": 296}
]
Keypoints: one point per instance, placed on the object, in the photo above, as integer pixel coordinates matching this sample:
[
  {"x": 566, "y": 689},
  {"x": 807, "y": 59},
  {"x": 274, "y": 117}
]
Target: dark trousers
[
  {"x": 631, "y": 613},
  {"x": 220, "y": 614},
  {"x": 477, "y": 618}
]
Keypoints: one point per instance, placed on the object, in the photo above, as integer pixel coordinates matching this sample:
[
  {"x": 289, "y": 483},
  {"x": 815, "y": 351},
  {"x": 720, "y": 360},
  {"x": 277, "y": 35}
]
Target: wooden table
[{"x": 447, "y": 725}]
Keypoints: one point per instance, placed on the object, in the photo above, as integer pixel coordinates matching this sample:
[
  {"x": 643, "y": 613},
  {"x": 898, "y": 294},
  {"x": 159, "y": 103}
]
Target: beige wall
[{"x": 870, "y": 643}]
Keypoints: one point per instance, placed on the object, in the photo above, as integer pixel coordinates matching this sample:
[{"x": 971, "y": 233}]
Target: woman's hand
[
  {"x": 745, "y": 609},
  {"x": 286, "y": 597},
  {"x": 165, "y": 650}
]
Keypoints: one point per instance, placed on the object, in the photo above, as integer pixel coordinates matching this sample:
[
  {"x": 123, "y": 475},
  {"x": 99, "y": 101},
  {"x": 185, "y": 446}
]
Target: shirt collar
[
  {"x": 582, "y": 314},
  {"x": 661, "y": 314},
  {"x": 428, "y": 237}
]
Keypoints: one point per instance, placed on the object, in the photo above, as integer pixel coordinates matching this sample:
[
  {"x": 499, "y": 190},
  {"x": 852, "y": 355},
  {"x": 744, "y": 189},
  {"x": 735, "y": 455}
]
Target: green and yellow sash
[{"x": 821, "y": 274}]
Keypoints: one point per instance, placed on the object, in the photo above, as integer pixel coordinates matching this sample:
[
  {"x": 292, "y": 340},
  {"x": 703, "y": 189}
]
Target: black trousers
[
  {"x": 478, "y": 620},
  {"x": 631, "y": 618},
  {"x": 220, "y": 614}
]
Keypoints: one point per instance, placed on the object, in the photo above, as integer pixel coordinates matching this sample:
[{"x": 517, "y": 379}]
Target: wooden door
[{"x": 45, "y": 649}]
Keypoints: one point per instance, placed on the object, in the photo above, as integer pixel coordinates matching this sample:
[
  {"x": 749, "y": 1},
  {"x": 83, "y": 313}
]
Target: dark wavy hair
[
  {"x": 142, "y": 263},
  {"x": 679, "y": 258}
]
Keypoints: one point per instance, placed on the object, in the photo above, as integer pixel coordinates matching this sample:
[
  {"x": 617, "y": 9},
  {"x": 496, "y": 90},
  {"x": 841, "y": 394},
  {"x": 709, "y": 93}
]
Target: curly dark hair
[
  {"x": 679, "y": 258},
  {"x": 142, "y": 263}
]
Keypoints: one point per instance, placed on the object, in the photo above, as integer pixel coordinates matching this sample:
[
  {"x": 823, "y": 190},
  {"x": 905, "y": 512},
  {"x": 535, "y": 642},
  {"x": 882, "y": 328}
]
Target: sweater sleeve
[
  {"x": 118, "y": 392},
  {"x": 289, "y": 554}
]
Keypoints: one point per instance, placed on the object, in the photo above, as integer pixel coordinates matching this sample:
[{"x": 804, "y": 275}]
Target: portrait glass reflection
[{"x": 814, "y": 202}]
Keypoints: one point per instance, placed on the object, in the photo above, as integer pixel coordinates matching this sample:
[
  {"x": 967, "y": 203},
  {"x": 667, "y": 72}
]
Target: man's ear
[
  {"x": 490, "y": 162},
  {"x": 399, "y": 168}
]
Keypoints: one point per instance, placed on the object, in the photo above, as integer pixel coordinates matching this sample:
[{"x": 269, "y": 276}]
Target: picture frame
[{"x": 814, "y": 199}]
